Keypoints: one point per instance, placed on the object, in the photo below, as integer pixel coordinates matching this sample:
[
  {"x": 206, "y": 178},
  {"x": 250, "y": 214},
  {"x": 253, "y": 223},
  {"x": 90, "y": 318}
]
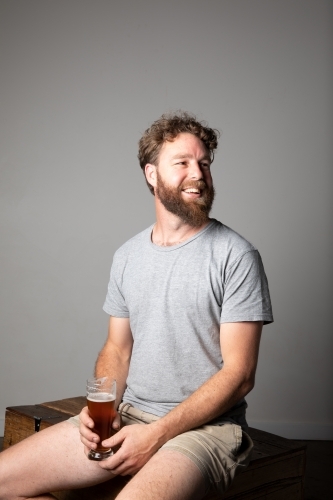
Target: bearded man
[{"x": 187, "y": 299}]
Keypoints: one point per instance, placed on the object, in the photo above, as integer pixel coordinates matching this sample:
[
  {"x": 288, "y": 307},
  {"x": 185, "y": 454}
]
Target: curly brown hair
[{"x": 167, "y": 128}]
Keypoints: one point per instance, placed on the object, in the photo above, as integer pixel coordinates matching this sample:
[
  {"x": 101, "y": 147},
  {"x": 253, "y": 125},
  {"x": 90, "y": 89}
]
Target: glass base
[{"x": 99, "y": 455}]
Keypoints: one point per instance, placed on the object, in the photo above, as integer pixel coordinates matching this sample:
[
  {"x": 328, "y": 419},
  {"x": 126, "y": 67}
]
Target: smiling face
[{"x": 182, "y": 180}]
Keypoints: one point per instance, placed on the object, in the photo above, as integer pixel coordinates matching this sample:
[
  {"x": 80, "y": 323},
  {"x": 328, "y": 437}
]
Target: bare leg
[
  {"x": 51, "y": 460},
  {"x": 168, "y": 475}
]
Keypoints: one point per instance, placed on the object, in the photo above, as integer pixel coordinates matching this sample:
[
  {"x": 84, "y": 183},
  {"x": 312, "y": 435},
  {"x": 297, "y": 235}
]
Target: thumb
[{"x": 116, "y": 424}]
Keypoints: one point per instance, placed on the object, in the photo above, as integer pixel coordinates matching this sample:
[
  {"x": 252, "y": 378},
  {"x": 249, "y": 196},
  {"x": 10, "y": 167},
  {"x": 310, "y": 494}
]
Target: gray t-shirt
[{"x": 176, "y": 297}]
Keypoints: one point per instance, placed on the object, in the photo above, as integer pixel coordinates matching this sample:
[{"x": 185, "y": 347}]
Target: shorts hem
[{"x": 74, "y": 421}]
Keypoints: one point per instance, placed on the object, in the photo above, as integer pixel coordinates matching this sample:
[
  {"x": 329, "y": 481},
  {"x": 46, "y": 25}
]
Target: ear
[{"x": 150, "y": 173}]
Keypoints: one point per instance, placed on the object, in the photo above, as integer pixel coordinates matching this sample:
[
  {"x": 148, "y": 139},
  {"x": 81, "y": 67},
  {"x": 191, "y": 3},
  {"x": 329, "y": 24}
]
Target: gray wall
[{"x": 80, "y": 81}]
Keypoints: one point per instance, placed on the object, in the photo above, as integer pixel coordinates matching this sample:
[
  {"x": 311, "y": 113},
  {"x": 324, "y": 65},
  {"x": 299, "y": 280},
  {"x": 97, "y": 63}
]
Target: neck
[{"x": 171, "y": 230}]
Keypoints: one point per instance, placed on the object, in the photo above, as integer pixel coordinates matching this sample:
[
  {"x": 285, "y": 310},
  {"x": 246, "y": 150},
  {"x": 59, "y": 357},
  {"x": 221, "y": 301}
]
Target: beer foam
[{"x": 100, "y": 397}]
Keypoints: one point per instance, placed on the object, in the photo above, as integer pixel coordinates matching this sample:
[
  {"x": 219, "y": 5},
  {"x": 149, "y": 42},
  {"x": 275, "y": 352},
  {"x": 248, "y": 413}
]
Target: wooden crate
[
  {"x": 276, "y": 470},
  {"x": 22, "y": 421}
]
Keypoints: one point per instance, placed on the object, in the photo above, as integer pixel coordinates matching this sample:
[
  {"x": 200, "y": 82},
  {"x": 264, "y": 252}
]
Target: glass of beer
[{"x": 101, "y": 395}]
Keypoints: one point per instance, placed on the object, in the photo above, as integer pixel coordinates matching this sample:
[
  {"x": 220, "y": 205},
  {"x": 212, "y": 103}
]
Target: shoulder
[
  {"x": 225, "y": 239},
  {"x": 133, "y": 245}
]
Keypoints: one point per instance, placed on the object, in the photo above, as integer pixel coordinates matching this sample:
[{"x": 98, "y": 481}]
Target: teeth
[{"x": 192, "y": 190}]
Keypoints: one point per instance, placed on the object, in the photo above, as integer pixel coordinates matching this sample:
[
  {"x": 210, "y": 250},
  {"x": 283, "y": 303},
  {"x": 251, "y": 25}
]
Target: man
[{"x": 187, "y": 299}]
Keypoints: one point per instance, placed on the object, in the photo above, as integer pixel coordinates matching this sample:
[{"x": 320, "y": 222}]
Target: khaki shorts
[{"x": 220, "y": 451}]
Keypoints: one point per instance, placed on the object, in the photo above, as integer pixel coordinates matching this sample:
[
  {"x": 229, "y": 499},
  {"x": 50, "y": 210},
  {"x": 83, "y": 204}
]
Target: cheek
[
  {"x": 177, "y": 178},
  {"x": 208, "y": 179}
]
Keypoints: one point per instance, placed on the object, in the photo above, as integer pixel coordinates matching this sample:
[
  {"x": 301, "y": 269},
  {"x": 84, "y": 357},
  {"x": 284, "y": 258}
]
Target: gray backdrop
[{"x": 80, "y": 82}]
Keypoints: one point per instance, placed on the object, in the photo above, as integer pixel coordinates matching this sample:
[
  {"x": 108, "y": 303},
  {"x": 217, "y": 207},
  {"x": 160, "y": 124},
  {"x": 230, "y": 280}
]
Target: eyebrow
[{"x": 185, "y": 155}]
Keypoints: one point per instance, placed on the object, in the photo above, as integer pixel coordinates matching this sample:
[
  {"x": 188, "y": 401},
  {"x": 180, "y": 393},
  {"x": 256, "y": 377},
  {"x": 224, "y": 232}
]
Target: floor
[{"x": 319, "y": 470}]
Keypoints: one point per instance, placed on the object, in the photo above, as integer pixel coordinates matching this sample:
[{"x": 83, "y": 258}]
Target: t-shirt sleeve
[
  {"x": 115, "y": 303},
  {"x": 246, "y": 294}
]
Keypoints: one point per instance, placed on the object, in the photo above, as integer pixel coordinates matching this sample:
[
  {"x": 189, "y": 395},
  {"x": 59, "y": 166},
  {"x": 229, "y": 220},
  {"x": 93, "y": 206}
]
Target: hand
[
  {"x": 87, "y": 436},
  {"x": 138, "y": 443}
]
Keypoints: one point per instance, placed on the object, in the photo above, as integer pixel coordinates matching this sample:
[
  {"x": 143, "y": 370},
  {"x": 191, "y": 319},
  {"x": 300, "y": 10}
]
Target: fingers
[
  {"x": 138, "y": 444},
  {"x": 118, "y": 463},
  {"x": 85, "y": 418},
  {"x": 118, "y": 466},
  {"x": 115, "y": 440},
  {"x": 87, "y": 436}
]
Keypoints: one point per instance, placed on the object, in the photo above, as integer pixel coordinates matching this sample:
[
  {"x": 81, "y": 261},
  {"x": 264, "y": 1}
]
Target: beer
[{"x": 102, "y": 411}]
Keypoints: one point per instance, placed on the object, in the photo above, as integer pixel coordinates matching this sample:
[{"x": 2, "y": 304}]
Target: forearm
[
  {"x": 239, "y": 348},
  {"x": 216, "y": 396},
  {"x": 113, "y": 363}
]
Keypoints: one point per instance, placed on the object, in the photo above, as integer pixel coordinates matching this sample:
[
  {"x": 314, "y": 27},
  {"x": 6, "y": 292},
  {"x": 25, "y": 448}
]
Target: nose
[{"x": 195, "y": 171}]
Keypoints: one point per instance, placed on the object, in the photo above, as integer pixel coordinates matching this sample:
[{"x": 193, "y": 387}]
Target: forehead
[{"x": 185, "y": 144}]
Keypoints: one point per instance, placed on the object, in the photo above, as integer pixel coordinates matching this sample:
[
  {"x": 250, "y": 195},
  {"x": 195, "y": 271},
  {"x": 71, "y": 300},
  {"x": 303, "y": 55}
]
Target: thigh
[
  {"x": 168, "y": 475},
  {"x": 50, "y": 460},
  {"x": 219, "y": 451}
]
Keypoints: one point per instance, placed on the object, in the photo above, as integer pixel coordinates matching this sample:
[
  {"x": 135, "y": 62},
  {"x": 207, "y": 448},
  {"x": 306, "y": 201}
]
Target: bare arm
[
  {"x": 113, "y": 360},
  {"x": 240, "y": 348}
]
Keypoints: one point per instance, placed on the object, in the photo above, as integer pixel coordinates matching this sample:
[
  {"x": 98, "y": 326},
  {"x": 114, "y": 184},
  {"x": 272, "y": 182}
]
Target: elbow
[
  {"x": 248, "y": 384},
  {"x": 242, "y": 381}
]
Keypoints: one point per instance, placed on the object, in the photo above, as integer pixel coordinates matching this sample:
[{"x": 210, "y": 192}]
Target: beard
[{"x": 193, "y": 212}]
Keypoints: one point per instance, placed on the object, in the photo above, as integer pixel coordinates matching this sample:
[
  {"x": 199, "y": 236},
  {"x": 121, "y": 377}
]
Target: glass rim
[{"x": 102, "y": 384}]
